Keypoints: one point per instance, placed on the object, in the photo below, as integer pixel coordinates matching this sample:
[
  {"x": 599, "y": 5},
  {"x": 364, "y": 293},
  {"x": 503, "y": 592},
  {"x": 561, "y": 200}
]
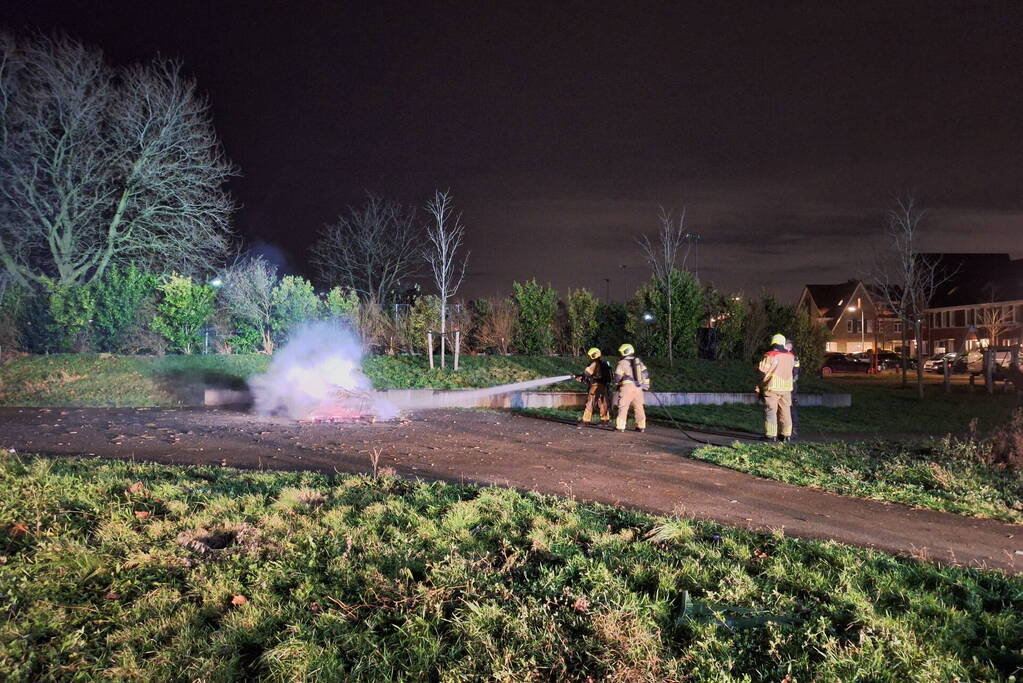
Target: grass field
[
  {"x": 147, "y": 572},
  {"x": 945, "y": 474},
  {"x": 104, "y": 380},
  {"x": 877, "y": 408}
]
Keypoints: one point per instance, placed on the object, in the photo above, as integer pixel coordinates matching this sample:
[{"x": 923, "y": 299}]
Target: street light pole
[{"x": 859, "y": 305}]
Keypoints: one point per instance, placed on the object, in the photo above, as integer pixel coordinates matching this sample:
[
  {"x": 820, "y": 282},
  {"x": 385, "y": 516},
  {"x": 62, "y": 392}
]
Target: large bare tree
[
  {"x": 371, "y": 250},
  {"x": 663, "y": 257},
  {"x": 906, "y": 279},
  {"x": 100, "y": 166},
  {"x": 444, "y": 238}
]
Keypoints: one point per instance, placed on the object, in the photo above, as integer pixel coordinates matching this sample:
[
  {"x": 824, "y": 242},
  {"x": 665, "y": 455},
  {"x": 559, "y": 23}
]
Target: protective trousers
[
  {"x": 597, "y": 393},
  {"x": 777, "y": 408},
  {"x": 630, "y": 395}
]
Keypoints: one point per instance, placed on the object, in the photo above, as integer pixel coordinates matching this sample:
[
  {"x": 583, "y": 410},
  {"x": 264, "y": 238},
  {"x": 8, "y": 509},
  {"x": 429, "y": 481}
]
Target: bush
[
  {"x": 341, "y": 304},
  {"x": 421, "y": 319},
  {"x": 809, "y": 339},
  {"x": 293, "y": 303},
  {"x": 651, "y": 337},
  {"x": 121, "y": 297},
  {"x": 13, "y": 300},
  {"x": 538, "y": 306},
  {"x": 183, "y": 312},
  {"x": 582, "y": 320},
  {"x": 71, "y": 310},
  {"x": 1006, "y": 449},
  {"x": 498, "y": 319}
]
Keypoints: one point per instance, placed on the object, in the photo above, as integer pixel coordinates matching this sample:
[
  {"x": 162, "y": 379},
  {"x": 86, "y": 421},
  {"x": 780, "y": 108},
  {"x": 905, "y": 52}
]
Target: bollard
[
  {"x": 947, "y": 375},
  {"x": 458, "y": 346},
  {"x": 989, "y": 368}
]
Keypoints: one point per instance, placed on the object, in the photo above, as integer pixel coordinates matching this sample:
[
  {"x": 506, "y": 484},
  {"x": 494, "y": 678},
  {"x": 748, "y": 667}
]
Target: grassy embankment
[
  {"x": 95, "y": 380},
  {"x": 148, "y": 572}
]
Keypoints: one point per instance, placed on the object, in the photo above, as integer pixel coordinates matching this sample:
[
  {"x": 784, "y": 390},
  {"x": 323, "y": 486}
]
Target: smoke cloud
[{"x": 319, "y": 366}]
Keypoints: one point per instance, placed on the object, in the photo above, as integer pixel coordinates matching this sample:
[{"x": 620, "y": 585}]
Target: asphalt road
[{"x": 647, "y": 471}]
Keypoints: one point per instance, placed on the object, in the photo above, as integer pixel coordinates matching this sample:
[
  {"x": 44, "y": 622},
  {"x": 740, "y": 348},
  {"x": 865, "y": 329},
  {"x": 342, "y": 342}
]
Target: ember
[{"x": 346, "y": 406}]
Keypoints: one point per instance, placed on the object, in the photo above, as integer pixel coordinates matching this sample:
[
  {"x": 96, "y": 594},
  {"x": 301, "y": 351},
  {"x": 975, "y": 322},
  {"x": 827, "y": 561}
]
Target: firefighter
[
  {"x": 775, "y": 389},
  {"x": 597, "y": 376},
  {"x": 632, "y": 379},
  {"x": 795, "y": 387}
]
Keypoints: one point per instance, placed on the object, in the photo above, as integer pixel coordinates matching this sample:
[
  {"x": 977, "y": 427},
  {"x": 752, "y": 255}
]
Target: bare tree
[
  {"x": 247, "y": 294},
  {"x": 663, "y": 257},
  {"x": 995, "y": 320},
  {"x": 100, "y": 166},
  {"x": 906, "y": 279},
  {"x": 497, "y": 329},
  {"x": 371, "y": 250},
  {"x": 444, "y": 238}
]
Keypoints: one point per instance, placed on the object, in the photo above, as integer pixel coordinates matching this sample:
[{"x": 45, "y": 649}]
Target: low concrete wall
[{"x": 470, "y": 398}]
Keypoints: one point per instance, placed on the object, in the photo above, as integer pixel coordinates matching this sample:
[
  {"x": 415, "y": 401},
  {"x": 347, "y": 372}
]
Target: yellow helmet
[
  {"x": 626, "y": 350},
  {"x": 778, "y": 340},
  {"x": 593, "y": 353}
]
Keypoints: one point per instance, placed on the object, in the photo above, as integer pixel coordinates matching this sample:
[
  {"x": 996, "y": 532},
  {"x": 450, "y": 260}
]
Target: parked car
[
  {"x": 973, "y": 361},
  {"x": 934, "y": 363},
  {"x": 841, "y": 362},
  {"x": 886, "y": 360},
  {"x": 889, "y": 360}
]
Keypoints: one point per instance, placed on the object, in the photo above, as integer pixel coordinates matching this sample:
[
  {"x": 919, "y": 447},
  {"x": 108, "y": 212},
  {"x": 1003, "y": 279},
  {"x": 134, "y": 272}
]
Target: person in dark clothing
[{"x": 795, "y": 388}]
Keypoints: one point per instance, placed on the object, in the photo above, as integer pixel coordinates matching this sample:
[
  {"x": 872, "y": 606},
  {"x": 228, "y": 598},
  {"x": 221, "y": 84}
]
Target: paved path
[{"x": 648, "y": 471}]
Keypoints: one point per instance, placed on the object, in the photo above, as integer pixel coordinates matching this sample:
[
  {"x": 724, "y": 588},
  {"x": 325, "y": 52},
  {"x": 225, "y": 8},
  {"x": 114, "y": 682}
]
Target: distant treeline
[{"x": 250, "y": 308}]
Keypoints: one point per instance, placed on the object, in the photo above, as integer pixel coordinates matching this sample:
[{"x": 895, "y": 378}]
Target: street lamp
[{"x": 853, "y": 309}]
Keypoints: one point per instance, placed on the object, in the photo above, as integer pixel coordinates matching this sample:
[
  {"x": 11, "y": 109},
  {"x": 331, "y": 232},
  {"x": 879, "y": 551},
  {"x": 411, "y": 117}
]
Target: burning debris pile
[{"x": 318, "y": 376}]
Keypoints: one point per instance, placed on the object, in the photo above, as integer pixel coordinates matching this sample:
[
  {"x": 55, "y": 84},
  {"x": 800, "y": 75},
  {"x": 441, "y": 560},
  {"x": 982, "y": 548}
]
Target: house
[
  {"x": 979, "y": 303},
  {"x": 855, "y": 316}
]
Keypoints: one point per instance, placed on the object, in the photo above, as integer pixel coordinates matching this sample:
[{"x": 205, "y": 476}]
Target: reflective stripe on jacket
[
  {"x": 624, "y": 372},
  {"x": 776, "y": 368}
]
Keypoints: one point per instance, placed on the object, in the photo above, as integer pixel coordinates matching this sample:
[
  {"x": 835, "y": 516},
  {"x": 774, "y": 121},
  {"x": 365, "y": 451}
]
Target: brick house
[
  {"x": 856, "y": 318},
  {"x": 980, "y": 304}
]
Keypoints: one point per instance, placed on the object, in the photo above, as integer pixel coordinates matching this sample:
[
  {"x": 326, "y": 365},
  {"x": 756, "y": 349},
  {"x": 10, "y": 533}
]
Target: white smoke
[{"x": 321, "y": 362}]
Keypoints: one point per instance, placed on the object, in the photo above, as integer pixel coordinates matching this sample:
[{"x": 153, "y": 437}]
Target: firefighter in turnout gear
[
  {"x": 775, "y": 388},
  {"x": 632, "y": 379},
  {"x": 598, "y": 376}
]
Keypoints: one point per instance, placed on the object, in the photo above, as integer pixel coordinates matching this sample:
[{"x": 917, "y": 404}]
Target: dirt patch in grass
[{"x": 217, "y": 541}]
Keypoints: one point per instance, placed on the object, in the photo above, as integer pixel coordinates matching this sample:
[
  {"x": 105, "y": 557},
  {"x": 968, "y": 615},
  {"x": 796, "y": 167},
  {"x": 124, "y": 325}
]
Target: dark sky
[{"x": 784, "y": 128}]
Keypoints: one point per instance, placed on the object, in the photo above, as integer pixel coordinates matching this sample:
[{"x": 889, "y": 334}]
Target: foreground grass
[
  {"x": 941, "y": 474},
  {"x": 149, "y": 572},
  {"x": 106, "y": 380}
]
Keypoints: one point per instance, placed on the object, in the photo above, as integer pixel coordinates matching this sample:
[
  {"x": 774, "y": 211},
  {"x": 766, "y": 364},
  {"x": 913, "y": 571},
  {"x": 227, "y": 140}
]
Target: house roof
[
  {"x": 977, "y": 278},
  {"x": 831, "y": 298}
]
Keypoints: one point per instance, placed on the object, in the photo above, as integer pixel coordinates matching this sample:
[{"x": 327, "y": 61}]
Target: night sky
[{"x": 784, "y": 128}]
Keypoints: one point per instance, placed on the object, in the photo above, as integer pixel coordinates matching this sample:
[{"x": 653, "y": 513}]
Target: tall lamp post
[{"x": 853, "y": 309}]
